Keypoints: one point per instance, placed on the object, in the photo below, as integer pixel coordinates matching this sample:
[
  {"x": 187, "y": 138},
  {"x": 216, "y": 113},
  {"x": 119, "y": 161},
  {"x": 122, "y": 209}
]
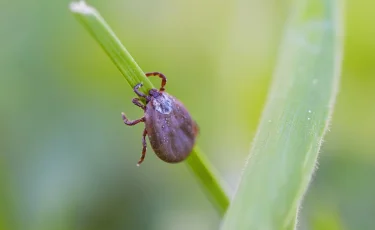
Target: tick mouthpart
[{"x": 154, "y": 93}]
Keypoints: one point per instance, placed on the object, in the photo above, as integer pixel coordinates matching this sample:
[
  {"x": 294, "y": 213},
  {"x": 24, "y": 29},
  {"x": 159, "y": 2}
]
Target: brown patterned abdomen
[{"x": 172, "y": 135}]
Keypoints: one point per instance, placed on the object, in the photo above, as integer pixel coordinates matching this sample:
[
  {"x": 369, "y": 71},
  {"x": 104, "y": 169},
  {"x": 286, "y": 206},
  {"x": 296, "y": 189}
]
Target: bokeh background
[{"x": 68, "y": 162}]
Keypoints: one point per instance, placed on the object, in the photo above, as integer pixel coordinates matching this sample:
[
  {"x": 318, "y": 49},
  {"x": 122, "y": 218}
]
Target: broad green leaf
[{"x": 296, "y": 117}]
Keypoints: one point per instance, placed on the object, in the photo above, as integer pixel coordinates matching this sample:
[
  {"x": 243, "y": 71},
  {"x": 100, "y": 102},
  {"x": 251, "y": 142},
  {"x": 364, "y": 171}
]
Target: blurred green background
[{"x": 68, "y": 162}]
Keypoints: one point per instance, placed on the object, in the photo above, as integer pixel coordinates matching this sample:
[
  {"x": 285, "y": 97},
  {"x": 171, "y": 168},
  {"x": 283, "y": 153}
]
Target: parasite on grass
[{"x": 171, "y": 130}]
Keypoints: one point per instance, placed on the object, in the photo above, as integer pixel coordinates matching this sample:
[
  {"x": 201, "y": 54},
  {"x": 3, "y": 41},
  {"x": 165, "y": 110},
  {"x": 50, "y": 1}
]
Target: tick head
[{"x": 154, "y": 93}]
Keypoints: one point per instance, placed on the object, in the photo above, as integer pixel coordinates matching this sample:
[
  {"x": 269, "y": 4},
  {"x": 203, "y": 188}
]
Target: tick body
[{"x": 171, "y": 130}]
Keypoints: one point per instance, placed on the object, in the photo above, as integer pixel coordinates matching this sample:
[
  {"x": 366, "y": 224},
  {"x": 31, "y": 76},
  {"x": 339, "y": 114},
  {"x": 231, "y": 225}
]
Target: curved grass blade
[
  {"x": 100, "y": 30},
  {"x": 285, "y": 150}
]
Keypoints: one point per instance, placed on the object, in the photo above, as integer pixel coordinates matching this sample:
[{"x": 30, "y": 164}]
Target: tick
[{"x": 170, "y": 128}]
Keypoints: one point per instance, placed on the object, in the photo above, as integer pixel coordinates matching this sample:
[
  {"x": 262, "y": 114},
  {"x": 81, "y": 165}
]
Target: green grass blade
[
  {"x": 296, "y": 116},
  {"x": 100, "y": 30},
  {"x": 104, "y": 35},
  {"x": 204, "y": 171}
]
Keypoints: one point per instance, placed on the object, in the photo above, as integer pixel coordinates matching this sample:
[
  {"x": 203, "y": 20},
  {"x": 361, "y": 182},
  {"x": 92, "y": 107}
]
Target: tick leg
[
  {"x": 134, "y": 122},
  {"x": 162, "y": 76},
  {"x": 144, "y": 147},
  {"x": 136, "y": 91},
  {"x": 137, "y": 102}
]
